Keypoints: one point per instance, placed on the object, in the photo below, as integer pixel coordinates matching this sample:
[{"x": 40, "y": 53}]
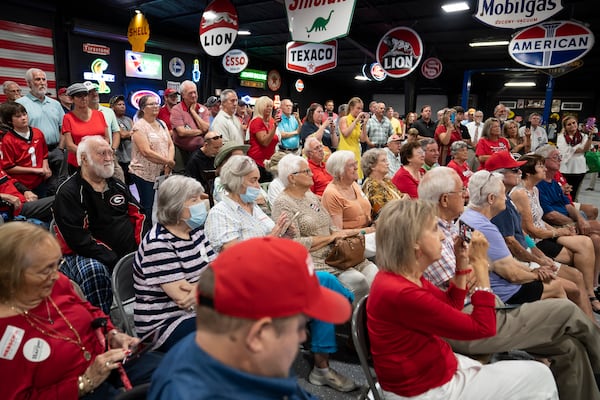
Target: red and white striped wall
[{"x": 23, "y": 47}]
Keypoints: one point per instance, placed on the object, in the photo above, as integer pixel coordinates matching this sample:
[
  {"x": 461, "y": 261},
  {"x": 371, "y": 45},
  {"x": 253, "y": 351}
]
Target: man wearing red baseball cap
[
  {"x": 65, "y": 100},
  {"x": 171, "y": 98},
  {"x": 254, "y": 302}
]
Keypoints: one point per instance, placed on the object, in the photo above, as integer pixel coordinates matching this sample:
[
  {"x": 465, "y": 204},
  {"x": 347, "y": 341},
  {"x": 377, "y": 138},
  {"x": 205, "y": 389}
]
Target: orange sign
[{"x": 138, "y": 33}]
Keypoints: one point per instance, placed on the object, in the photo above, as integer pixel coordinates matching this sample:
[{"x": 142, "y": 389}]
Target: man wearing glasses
[
  {"x": 98, "y": 221},
  {"x": 226, "y": 122},
  {"x": 203, "y": 159},
  {"x": 11, "y": 90}
]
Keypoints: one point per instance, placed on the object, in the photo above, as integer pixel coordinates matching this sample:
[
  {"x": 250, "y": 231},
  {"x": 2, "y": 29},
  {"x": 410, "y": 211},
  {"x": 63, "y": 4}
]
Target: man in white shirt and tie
[{"x": 475, "y": 127}]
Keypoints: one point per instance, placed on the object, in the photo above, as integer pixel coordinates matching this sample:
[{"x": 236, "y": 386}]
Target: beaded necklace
[{"x": 53, "y": 333}]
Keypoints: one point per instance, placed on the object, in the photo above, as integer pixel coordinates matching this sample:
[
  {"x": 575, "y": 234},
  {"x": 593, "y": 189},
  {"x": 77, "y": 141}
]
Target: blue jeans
[
  {"x": 146, "y": 192},
  {"x": 323, "y": 333}
]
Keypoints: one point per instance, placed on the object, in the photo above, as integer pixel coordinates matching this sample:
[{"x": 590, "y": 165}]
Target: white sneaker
[{"x": 333, "y": 379}]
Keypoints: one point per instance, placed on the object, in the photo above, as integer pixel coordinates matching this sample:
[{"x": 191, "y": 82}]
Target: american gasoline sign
[
  {"x": 551, "y": 44},
  {"x": 218, "y": 27},
  {"x": 311, "y": 58},
  {"x": 399, "y": 51}
]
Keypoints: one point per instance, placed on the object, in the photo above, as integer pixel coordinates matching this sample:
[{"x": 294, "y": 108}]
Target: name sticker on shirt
[
  {"x": 36, "y": 350},
  {"x": 10, "y": 342}
]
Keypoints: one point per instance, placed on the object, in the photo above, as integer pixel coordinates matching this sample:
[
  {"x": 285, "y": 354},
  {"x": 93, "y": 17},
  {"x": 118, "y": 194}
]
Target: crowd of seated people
[{"x": 529, "y": 260}]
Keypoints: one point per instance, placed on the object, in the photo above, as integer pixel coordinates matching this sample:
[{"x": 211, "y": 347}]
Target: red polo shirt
[{"x": 321, "y": 177}]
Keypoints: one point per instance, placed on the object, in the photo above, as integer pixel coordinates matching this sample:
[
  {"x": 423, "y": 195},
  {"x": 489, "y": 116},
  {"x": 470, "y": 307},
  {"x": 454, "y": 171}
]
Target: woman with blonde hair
[
  {"x": 263, "y": 138},
  {"x": 353, "y": 129},
  {"x": 408, "y": 317}
]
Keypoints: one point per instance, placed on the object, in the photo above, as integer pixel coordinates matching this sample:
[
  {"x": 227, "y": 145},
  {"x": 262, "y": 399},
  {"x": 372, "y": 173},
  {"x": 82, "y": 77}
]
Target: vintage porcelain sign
[
  {"x": 512, "y": 14},
  {"x": 218, "y": 27},
  {"x": 311, "y": 58},
  {"x": 551, "y": 44},
  {"x": 318, "y": 21},
  {"x": 399, "y": 51},
  {"x": 431, "y": 68},
  {"x": 235, "y": 61}
]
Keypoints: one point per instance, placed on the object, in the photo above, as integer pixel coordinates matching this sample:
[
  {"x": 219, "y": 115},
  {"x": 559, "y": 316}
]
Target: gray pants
[{"x": 552, "y": 328}]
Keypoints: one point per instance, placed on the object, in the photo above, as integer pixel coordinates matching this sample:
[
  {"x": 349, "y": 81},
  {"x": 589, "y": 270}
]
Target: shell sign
[
  {"x": 399, "y": 51},
  {"x": 551, "y": 44},
  {"x": 138, "y": 33}
]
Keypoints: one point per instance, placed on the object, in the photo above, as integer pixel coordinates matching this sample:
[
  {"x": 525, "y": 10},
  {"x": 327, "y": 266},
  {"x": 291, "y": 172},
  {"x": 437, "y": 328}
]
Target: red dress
[{"x": 455, "y": 136}]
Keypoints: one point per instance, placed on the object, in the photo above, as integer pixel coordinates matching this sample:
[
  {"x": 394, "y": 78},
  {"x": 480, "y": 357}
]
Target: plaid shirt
[
  {"x": 379, "y": 132},
  {"x": 440, "y": 272}
]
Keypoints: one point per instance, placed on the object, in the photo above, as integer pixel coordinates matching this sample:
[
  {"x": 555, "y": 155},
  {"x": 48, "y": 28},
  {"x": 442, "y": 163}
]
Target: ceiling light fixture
[
  {"x": 490, "y": 43},
  {"x": 454, "y": 7},
  {"x": 244, "y": 32},
  {"x": 520, "y": 84},
  {"x": 361, "y": 78}
]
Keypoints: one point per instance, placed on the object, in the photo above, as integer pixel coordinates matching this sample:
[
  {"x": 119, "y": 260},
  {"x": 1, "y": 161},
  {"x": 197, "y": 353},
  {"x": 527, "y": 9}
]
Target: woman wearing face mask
[
  {"x": 169, "y": 262},
  {"x": 237, "y": 217}
]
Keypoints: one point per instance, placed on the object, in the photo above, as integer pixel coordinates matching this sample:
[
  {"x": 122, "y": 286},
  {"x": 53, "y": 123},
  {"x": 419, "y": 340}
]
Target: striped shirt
[
  {"x": 228, "y": 221},
  {"x": 164, "y": 258}
]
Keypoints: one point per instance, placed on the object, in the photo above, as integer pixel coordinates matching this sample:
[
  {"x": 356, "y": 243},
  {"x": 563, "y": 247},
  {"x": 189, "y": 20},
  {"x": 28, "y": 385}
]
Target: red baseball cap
[
  {"x": 272, "y": 277},
  {"x": 170, "y": 91},
  {"x": 62, "y": 90},
  {"x": 500, "y": 160}
]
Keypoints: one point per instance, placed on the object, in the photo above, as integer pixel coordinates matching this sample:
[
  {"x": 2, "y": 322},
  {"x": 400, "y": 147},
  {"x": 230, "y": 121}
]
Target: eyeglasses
[
  {"x": 49, "y": 270},
  {"x": 513, "y": 170},
  {"x": 306, "y": 171},
  {"x": 105, "y": 153},
  {"x": 464, "y": 190},
  {"x": 555, "y": 158},
  {"x": 152, "y": 105},
  {"x": 80, "y": 95},
  {"x": 215, "y": 137},
  {"x": 489, "y": 178}
]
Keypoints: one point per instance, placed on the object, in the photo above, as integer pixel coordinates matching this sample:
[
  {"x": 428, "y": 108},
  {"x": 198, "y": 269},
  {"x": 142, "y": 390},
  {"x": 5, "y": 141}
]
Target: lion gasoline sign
[
  {"x": 218, "y": 27},
  {"x": 400, "y": 51}
]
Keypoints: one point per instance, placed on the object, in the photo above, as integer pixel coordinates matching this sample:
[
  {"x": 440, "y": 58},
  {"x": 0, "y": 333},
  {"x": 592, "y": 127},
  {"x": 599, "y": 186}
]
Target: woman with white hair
[
  {"x": 460, "y": 153},
  {"x": 347, "y": 205},
  {"x": 169, "y": 261},
  {"x": 263, "y": 139},
  {"x": 237, "y": 217},
  {"x": 314, "y": 227}
]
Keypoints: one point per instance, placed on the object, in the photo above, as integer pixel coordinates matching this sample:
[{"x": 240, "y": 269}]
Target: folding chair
[
  {"x": 123, "y": 292},
  {"x": 209, "y": 177},
  {"x": 360, "y": 337},
  {"x": 137, "y": 393}
]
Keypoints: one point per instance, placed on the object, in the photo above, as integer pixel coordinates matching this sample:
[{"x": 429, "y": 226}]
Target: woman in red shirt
[
  {"x": 446, "y": 133},
  {"x": 408, "y": 317},
  {"x": 491, "y": 141},
  {"x": 81, "y": 121},
  {"x": 263, "y": 139}
]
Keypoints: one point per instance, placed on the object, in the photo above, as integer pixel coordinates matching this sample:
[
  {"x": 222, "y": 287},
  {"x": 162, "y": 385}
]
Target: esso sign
[{"x": 235, "y": 61}]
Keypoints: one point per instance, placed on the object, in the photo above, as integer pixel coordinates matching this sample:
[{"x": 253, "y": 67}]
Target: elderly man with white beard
[{"x": 98, "y": 221}]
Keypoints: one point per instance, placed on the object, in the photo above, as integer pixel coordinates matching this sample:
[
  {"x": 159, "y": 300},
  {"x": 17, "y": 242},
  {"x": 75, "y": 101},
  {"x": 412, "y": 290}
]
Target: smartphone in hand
[{"x": 465, "y": 232}]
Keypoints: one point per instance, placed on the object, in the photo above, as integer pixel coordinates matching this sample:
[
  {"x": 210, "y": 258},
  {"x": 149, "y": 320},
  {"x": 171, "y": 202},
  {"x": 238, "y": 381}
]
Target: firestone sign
[
  {"x": 318, "y": 21},
  {"x": 551, "y": 44},
  {"x": 311, "y": 58},
  {"x": 399, "y": 51},
  {"x": 218, "y": 27},
  {"x": 511, "y": 14}
]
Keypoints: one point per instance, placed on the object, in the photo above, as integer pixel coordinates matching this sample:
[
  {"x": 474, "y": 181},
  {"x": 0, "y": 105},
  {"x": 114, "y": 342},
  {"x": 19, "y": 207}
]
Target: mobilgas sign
[
  {"x": 311, "y": 58},
  {"x": 511, "y": 14},
  {"x": 551, "y": 44},
  {"x": 399, "y": 51}
]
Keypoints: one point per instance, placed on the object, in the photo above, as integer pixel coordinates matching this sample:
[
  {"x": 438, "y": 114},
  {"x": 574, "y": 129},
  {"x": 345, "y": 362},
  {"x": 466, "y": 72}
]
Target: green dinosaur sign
[{"x": 318, "y": 21}]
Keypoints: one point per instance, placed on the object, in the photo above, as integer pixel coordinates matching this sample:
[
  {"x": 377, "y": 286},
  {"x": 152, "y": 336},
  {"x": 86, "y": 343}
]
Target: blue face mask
[
  {"x": 251, "y": 194},
  {"x": 198, "y": 215}
]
